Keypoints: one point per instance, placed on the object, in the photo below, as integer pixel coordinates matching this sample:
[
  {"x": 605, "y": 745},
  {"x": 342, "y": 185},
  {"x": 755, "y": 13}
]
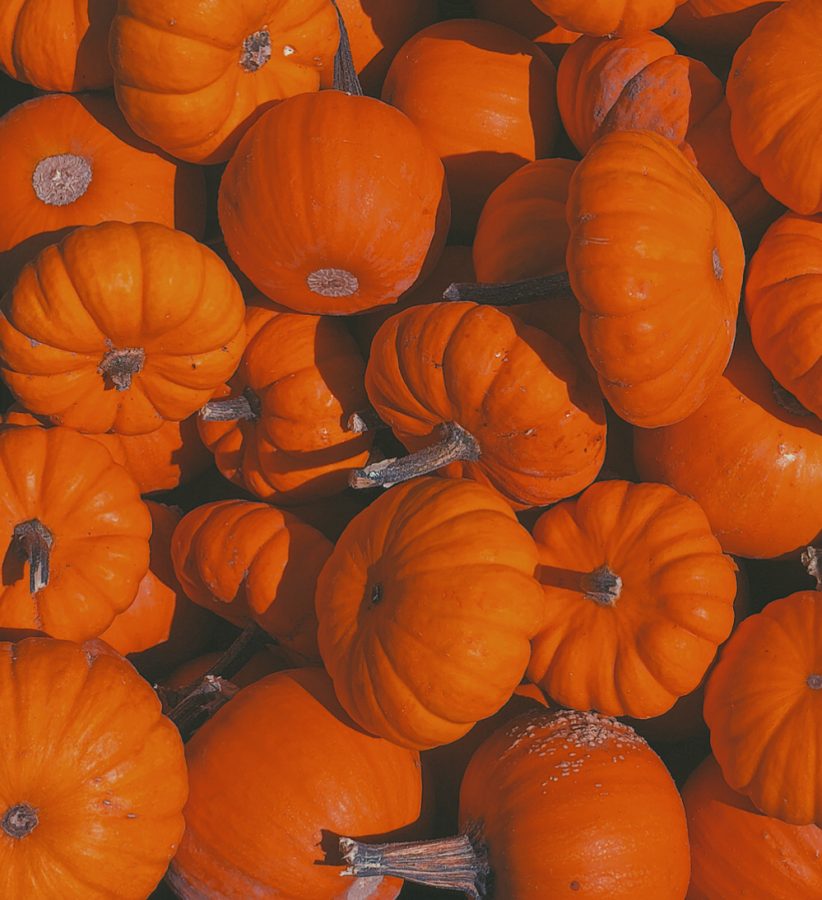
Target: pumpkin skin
[
  {"x": 611, "y": 17},
  {"x": 192, "y": 79},
  {"x": 766, "y": 858},
  {"x": 783, "y": 304},
  {"x": 118, "y": 177},
  {"x": 522, "y": 16},
  {"x": 775, "y": 122},
  {"x": 372, "y": 175},
  {"x": 426, "y": 608},
  {"x": 533, "y": 410},
  {"x": 63, "y": 329},
  {"x": 267, "y": 660},
  {"x": 100, "y": 764},
  {"x": 763, "y": 705},
  {"x": 655, "y": 260},
  {"x": 250, "y": 562},
  {"x": 759, "y": 478},
  {"x": 248, "y": 835},
  {"x": 497, "y": 85},
  {"x": 57, "y": 46},
  {"x": 98, "y": 524},
  {"x": 657, "y": 628}
]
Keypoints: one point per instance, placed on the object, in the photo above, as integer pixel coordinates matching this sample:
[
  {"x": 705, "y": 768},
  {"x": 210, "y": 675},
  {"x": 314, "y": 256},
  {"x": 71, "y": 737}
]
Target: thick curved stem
[
  {"x": 511, "y": 292},
  {"x": 33, "y": 541},
  {"x": 602, "y": 586},
  {"x": 232, "y": 409},
  {"x": 120, "y": 366},
  {"x": 455, "y": 444},
  {"x": 345, "y": 75}
]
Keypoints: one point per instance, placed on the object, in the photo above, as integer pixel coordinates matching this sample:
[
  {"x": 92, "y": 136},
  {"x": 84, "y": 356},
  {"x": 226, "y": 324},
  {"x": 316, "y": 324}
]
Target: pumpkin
[
  {"x": 552, "y": 804},
  {"x": 282, "y": 432},
  {"x": 368, "y": 205},
  {"x": 249, "y": 833},
  {"x": 655, "y": 260},
  {"x": 751, "y": 456},
  {"x": 72, "y": 160},
  {"x": 783, "y": 304},
  {"x": 763, "y": 705},
  {"x": 76, "y": 531},
  {"x": 522, "y": 16},
  {"x": 121, "y": 327},
  {"x": 250, "y": 562},
  {"x": 611, "y": 17},
  {"x": 766, "y": 858},
  {"x": 192, "y": 79},
  {"x": 426, "y": 608},
  {"x": 776, "y": 122},
  {"x": 483, "y": 97},
  {"x": 473, "y": 389},
  {"x": 57, "y": 46},
  {"x": 92, "y": 805}
]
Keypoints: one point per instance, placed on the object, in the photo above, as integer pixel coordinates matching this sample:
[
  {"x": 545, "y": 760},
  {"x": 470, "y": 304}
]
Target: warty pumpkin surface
[
  {"x": 121, "y": 327},
  {"x": 609, "y": 17},
  {"x": 92, "y": 796},
  {"x": 192, "y": 78},
  {"x": 366, "y": 197},
  {"x": 426, "y": 609}
]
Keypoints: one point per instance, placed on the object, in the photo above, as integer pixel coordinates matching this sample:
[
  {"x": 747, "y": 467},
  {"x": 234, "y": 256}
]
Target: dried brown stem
[
  {"x": 364, "y": 420},
  {"x": 120, "y": 366},
  {"x": 33, "y": 542},
  {"x": 19, "y": 821},
  {"x": 602, "y": 586},
  {"x": 232, "y": 409},
  {"x": 812, "y": 560},
  {"x": 511, "y": 292},
  {"x": 345, "y": 74}
]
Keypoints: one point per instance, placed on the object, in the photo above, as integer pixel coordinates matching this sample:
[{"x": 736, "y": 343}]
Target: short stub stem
[
  {"x": 245, "y": 406},
  {"x": 60, "y": 180},
  {"x": 602, "y": 586},
  {"x": 454, "y": 864},
  {"x": 19, "y": 821},
  {"x": 345, "y": 73},
  {"x": 812, "y": 560},
  {"x": 455, "y": 444},
  {"x": 120, "y": 366},
  {"x": 510, "y": 293},
  {"x": 364, "y": 420},
  {"x": 33, "y": 542}
]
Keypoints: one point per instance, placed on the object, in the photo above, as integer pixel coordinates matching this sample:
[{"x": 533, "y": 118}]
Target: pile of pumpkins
[{"x": 411, "y": 449}]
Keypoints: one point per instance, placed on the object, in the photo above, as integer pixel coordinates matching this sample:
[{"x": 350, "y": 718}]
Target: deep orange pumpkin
[{"x": 612, "y": 17}]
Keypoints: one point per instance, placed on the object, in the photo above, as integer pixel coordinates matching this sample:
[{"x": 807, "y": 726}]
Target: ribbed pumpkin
[
  {"x": 522, "y": 16},
  {"x": 192, "y": 78},
  {"x": 601, "y": 17},
  {"x": 655, "y": 260},
  {"x": 121, "y": 327},
  {"x": 76, "y": 533},
  {"x": 483, "y": 97},
  {"x": 367, "y": 204},
  {"x": 763, "y": 705},
  {"x": 71, "y": 161},
  {"x": 91, "y": 804},
  {"x": 277, "y": 772},
  {"x": 427, "y": 606}
]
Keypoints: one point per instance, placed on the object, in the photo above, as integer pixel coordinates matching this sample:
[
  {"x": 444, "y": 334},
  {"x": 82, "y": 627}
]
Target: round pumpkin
[
  {"x": 366, "y": 199},
  {"x": 611, "y": 17},
  {"x": 77, "y": 533},
  {"x": 483, "y": 97},
  {"x": 121, "y": 327},
  {"x": 193, "y": 78},
  {"x": 426, "y": 609},
  {"x": 57, "y": 46},
  {"x": 91, "y": 803},
  {"x": 655, "y": 259},
  {"x": 775, "y": 94},
  {"x": 766, "y": 858},
  {"x": 248, "y": 832},
  {"x": 72, "y": 160}
]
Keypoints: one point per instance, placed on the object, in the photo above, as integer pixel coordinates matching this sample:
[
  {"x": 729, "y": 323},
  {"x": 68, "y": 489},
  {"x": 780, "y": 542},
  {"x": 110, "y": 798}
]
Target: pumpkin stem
[
  {"x": 345, "y": 74},
  {"x": 787, "y": 400},
  {"x": 62, "y": 179},
  {"x": 812, "y": 560},
  {"x": 814, "y": 682},
  {"x": 455, "y": 444},
  {"x": 244, "y": 406},
  {"x": 256, "y": 50},
  {"x": 33, "y": 541},
  {"x": 332, "y": 282},
  {"x": 19, "y": 821},
  {"x": 458, "y": 863},
  {"x": 364, "y": 420},
  {"x": 120, "y": 366},
  {"x": 602, "y": 586},
  {"x": 511, "y": 292}
]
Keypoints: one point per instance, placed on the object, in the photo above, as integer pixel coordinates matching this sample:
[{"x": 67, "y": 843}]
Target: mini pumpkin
[{"x": 616, "y": 17}]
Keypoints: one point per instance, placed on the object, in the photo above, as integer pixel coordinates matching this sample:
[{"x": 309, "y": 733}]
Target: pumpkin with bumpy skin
[{"x": 609, "y": 17}]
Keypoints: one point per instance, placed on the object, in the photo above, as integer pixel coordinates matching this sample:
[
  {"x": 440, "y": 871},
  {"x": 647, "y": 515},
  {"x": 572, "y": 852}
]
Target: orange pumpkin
[
  {"x": 426, "y": 608},
  {"x": 71, "y": 161},
  {"x": 765, "y": 858},
  {"x": 57, "y": 46},
  {"x": 250, "y": 562},
  {"x": 612, "y": 17},
  {"x": 763, "y": 705},
  {"x": 655, "y": 260},
  {"x": 98, "y": 775},
  {"x": 192, "y": 79},
  {"x": 121, "y": 327},
  {"x": 483, "y": 97},
  {"x": 522, "y": 16},
  {"x": 248, "y": 833},
  {"x": 783, "y": 304},
  {"x": 776, "y": 122},
  {"x": 371, "y": 175},
  {"x": 76, "y": 533}
]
